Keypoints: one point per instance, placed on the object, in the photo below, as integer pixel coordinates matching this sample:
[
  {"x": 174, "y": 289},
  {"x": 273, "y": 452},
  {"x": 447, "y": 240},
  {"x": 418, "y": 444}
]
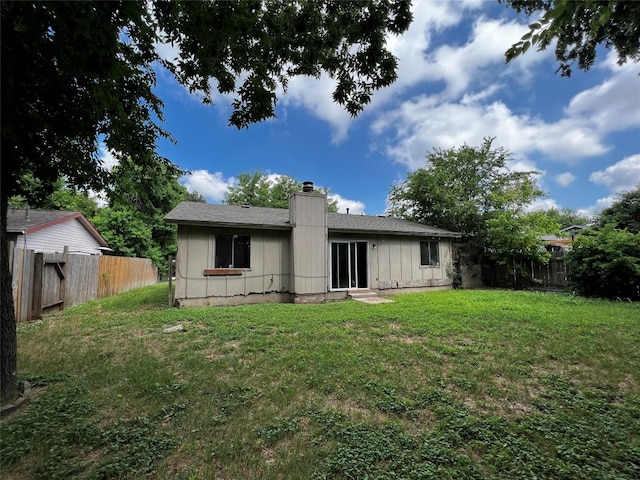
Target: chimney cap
[{"x": 307, "y": 186}]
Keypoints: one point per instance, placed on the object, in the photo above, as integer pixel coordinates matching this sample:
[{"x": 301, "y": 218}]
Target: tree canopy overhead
[
  {"x": 578, "y": 28},
  {"x": 75, "y": 74}
]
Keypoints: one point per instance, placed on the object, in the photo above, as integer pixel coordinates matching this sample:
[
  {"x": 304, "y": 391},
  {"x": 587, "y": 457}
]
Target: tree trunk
[{"x": 8, "y": 351}]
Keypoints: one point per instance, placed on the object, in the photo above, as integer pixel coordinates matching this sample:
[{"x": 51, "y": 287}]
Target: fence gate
[
  {"x": 45, "y": 282},
  {"x": 49, "y": 292}
]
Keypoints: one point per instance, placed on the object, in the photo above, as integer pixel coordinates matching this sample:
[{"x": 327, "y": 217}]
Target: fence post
[
  {"x": 63, "y": 277},
  {"x": 16, "y": 280},
  {"x": 170, "y": 295},
  {"x": 38, "y": 280},
  {"x": 26, "y": 285}
]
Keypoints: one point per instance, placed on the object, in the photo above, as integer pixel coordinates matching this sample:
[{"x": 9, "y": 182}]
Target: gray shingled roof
[
  {"x": 198, "y": 213},
  {"x": 17, "y": 220},
  {"x": 194, "y": 213},
  {"x": 340, "y": 222}
]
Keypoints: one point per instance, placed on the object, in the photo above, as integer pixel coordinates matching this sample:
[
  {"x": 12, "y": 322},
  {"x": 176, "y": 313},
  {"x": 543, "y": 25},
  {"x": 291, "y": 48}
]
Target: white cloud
[
  {"x": 542, "y": 204},
  {"x": 315, "y": 95},
  {"x": 106, "y": 157},
  {"x": 211, "y": 185},
  {"x": 462, "y": 112},
  {"x": 421, "y": 124},
  {"x": 429, "y": 18},
  {"x": 600, "y": 205},
  {"x": 476, "y": 61},
  {"x": 522, "y": 165},
  {"x": 421, "y": 59},
  {"x": 167, "y": 51},
  {"x": 457, "y": 67},
  {"x": 623, "y": 175},
  {"x": 612, "y": 105},
  {"x": 355, "y": 207},
  {"x": 565, "y": 179}
]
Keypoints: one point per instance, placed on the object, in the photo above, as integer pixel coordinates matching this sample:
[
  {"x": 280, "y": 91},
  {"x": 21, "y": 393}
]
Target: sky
[{"x": 581, "y": 133}]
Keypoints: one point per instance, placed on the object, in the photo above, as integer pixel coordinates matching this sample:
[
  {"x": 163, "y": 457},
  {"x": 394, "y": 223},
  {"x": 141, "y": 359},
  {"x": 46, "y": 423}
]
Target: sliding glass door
[{"x": 349, "y": 265}]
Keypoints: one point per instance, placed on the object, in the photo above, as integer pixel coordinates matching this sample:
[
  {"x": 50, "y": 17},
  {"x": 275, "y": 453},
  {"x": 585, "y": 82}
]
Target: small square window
[
  {"x": 232, "y": 251},
  {"x": 430, "y": 253}
]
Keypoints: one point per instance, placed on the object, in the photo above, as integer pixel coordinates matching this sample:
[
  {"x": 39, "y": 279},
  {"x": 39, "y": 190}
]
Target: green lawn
[{"x": 446, "y": 385}]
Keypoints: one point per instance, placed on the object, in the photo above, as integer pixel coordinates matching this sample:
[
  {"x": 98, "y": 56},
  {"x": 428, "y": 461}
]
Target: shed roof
[
  {"x": 21, "y": 221},
  {"x": 196, "y": 213}
]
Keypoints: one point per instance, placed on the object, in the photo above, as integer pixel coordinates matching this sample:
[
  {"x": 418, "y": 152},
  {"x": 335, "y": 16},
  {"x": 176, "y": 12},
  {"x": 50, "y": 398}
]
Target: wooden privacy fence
[
  {"x": 529, "y": 274},
  {"x": 44, "y": 282}
]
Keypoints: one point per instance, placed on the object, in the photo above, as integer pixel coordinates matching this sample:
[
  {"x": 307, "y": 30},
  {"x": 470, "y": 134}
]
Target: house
[
  {"x": 52, "y": 231},
  {"x": 562, "y": 243},
  {"x": 231, "y": 254}
]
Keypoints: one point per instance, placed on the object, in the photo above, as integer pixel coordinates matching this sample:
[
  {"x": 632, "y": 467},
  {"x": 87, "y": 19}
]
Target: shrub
[{"x": 606, "y": 263}]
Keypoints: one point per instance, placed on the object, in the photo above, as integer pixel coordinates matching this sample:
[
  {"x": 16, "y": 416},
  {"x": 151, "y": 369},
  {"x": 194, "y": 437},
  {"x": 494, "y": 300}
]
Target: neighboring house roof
[
  {"x": 572, "y": 228},
  {"x": 20, "y": 222},
  {"x": 197, "y": 213}
]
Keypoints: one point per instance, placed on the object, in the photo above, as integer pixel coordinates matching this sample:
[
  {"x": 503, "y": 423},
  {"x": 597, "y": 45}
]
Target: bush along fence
[
  {"x": 528, "y": 274},
  {"x": 46, "y": 282}
]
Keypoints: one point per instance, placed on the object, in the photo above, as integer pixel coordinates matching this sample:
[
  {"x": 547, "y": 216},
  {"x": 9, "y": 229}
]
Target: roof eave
[
  {"x": 396, "y": 232},
  {"x": 209, "y": 224}
]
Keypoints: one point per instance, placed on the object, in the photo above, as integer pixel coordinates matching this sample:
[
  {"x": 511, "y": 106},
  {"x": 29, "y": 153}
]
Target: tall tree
[
  {"x": 195, "y": 197},
  {"x": 515, "y": 234},
  {"x": 64, "y": 197},
  {"x": 623, "y": 213},
  {"x": 259, "y": 189},
  {"x": 567, "y": 217},
  {"x": 76, "y": 73},
  {"x": 471, "y": 190},
  {"x": 578, "y": 28},
  {"x": 139, "y": 197}
]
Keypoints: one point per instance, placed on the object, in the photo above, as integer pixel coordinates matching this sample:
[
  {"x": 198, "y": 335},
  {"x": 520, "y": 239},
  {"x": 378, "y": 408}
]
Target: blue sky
[{"x": 581, "y": 133}]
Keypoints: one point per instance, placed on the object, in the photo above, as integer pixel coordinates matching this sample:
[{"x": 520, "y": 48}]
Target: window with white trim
[
  {"x": 429, "y": 253},
  {"x": 232, "y": 251}
]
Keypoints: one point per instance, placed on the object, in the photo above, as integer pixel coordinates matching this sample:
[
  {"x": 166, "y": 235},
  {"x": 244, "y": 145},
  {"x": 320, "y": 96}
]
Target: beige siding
[
  {"x": 269, "y": 271},
  {"x": 197, "y": 257},
  {"x": 394, "y": 262},
  {"x": 408, "y": 267},
  {"x": 308, "y": 215},
  {"x": 276, "y": 262}
]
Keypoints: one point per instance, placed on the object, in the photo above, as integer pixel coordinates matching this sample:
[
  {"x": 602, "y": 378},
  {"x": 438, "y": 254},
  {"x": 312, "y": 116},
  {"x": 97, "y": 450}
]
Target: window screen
[
  {"x": 232, "y": 251},
  {"x": 430, "y": 253}
]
